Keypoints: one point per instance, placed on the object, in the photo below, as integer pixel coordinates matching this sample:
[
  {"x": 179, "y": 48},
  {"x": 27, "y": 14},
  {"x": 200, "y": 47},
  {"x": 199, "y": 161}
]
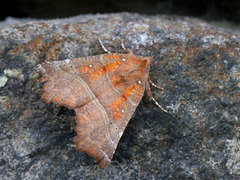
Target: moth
[{"x": 104, "y": 91}]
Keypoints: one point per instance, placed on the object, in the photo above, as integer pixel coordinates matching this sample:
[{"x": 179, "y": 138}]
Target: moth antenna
[
  {"x": 104, "y": 48},
  {"x": 158, "y": 105},
  {"x": 156, "y": 86},
  {"x": 124, "y": 48}
]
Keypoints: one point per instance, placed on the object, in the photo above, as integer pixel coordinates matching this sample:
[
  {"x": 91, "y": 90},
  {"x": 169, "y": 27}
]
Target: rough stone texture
[
  {"x": 197, "y": 65},
  {"x": 208, "y": 9}
]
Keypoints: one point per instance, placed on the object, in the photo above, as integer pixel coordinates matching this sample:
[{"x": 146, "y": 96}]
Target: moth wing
[
  {"x": 81, "y": 85},
  {"x": 100, "y": 127},
  {"x": 67, "y": 81}
]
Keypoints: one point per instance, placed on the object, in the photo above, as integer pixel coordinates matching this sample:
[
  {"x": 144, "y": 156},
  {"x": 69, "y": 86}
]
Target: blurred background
[{"x": 211, "y": 10}]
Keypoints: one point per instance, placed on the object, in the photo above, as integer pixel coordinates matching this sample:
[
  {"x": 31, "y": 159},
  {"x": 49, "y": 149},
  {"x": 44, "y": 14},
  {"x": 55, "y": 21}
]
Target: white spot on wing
[{"x": 67, "y": 60}]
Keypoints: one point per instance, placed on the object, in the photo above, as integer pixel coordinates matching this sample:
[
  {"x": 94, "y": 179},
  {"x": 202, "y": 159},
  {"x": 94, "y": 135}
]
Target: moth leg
[
  {"x": 156, "y": 86},
  {"x": 149, "y": 94},
  {"x": 104, "y": 48},
  {"x": 158, "y": 105}
]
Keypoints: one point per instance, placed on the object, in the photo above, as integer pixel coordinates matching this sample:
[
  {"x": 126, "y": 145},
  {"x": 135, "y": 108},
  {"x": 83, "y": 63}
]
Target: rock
[{"x": 197, "y": 65}]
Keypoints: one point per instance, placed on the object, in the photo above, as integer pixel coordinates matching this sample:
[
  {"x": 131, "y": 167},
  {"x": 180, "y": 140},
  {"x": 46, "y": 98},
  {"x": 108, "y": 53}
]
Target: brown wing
[{"x": 103, "y": 98}]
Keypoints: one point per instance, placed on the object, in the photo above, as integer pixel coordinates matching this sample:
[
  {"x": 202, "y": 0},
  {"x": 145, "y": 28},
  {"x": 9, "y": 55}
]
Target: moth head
[
  {"x": 149, "y": 60},
  {"x": 145, "y": 60}
]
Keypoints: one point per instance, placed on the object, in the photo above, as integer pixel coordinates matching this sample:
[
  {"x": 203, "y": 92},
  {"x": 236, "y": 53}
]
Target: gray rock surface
[{"x": 197, "y": 64}]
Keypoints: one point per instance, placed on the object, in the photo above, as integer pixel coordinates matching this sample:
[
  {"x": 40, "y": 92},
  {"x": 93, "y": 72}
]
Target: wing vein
[{"x": 96, "y": 102}]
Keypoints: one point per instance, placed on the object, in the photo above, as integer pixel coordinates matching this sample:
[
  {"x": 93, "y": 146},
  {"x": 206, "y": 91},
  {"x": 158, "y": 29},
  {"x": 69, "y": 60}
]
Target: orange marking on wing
[
  {"x": 85, "y": 69},
  {"x": 115, "y": 79},
  {"x": 113, "y": 56},
  {"x": 139, "y": 95},
  {"x": 136, "y": 60},
  {"x": 119, "y": 101},
  {"x": 130, "y": 90},
  {"x": 112, "y": 66},
  {"x": 118, "y": 115},
  {"x": 102, "y": 70},
  {"x": 97, "y": 73}
]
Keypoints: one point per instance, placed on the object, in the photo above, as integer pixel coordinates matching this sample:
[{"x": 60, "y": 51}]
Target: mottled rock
[{"x": 197, "y": 65}]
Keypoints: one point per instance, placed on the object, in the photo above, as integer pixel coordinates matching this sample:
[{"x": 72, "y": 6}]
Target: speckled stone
[{"x": 195, "y": 63}]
